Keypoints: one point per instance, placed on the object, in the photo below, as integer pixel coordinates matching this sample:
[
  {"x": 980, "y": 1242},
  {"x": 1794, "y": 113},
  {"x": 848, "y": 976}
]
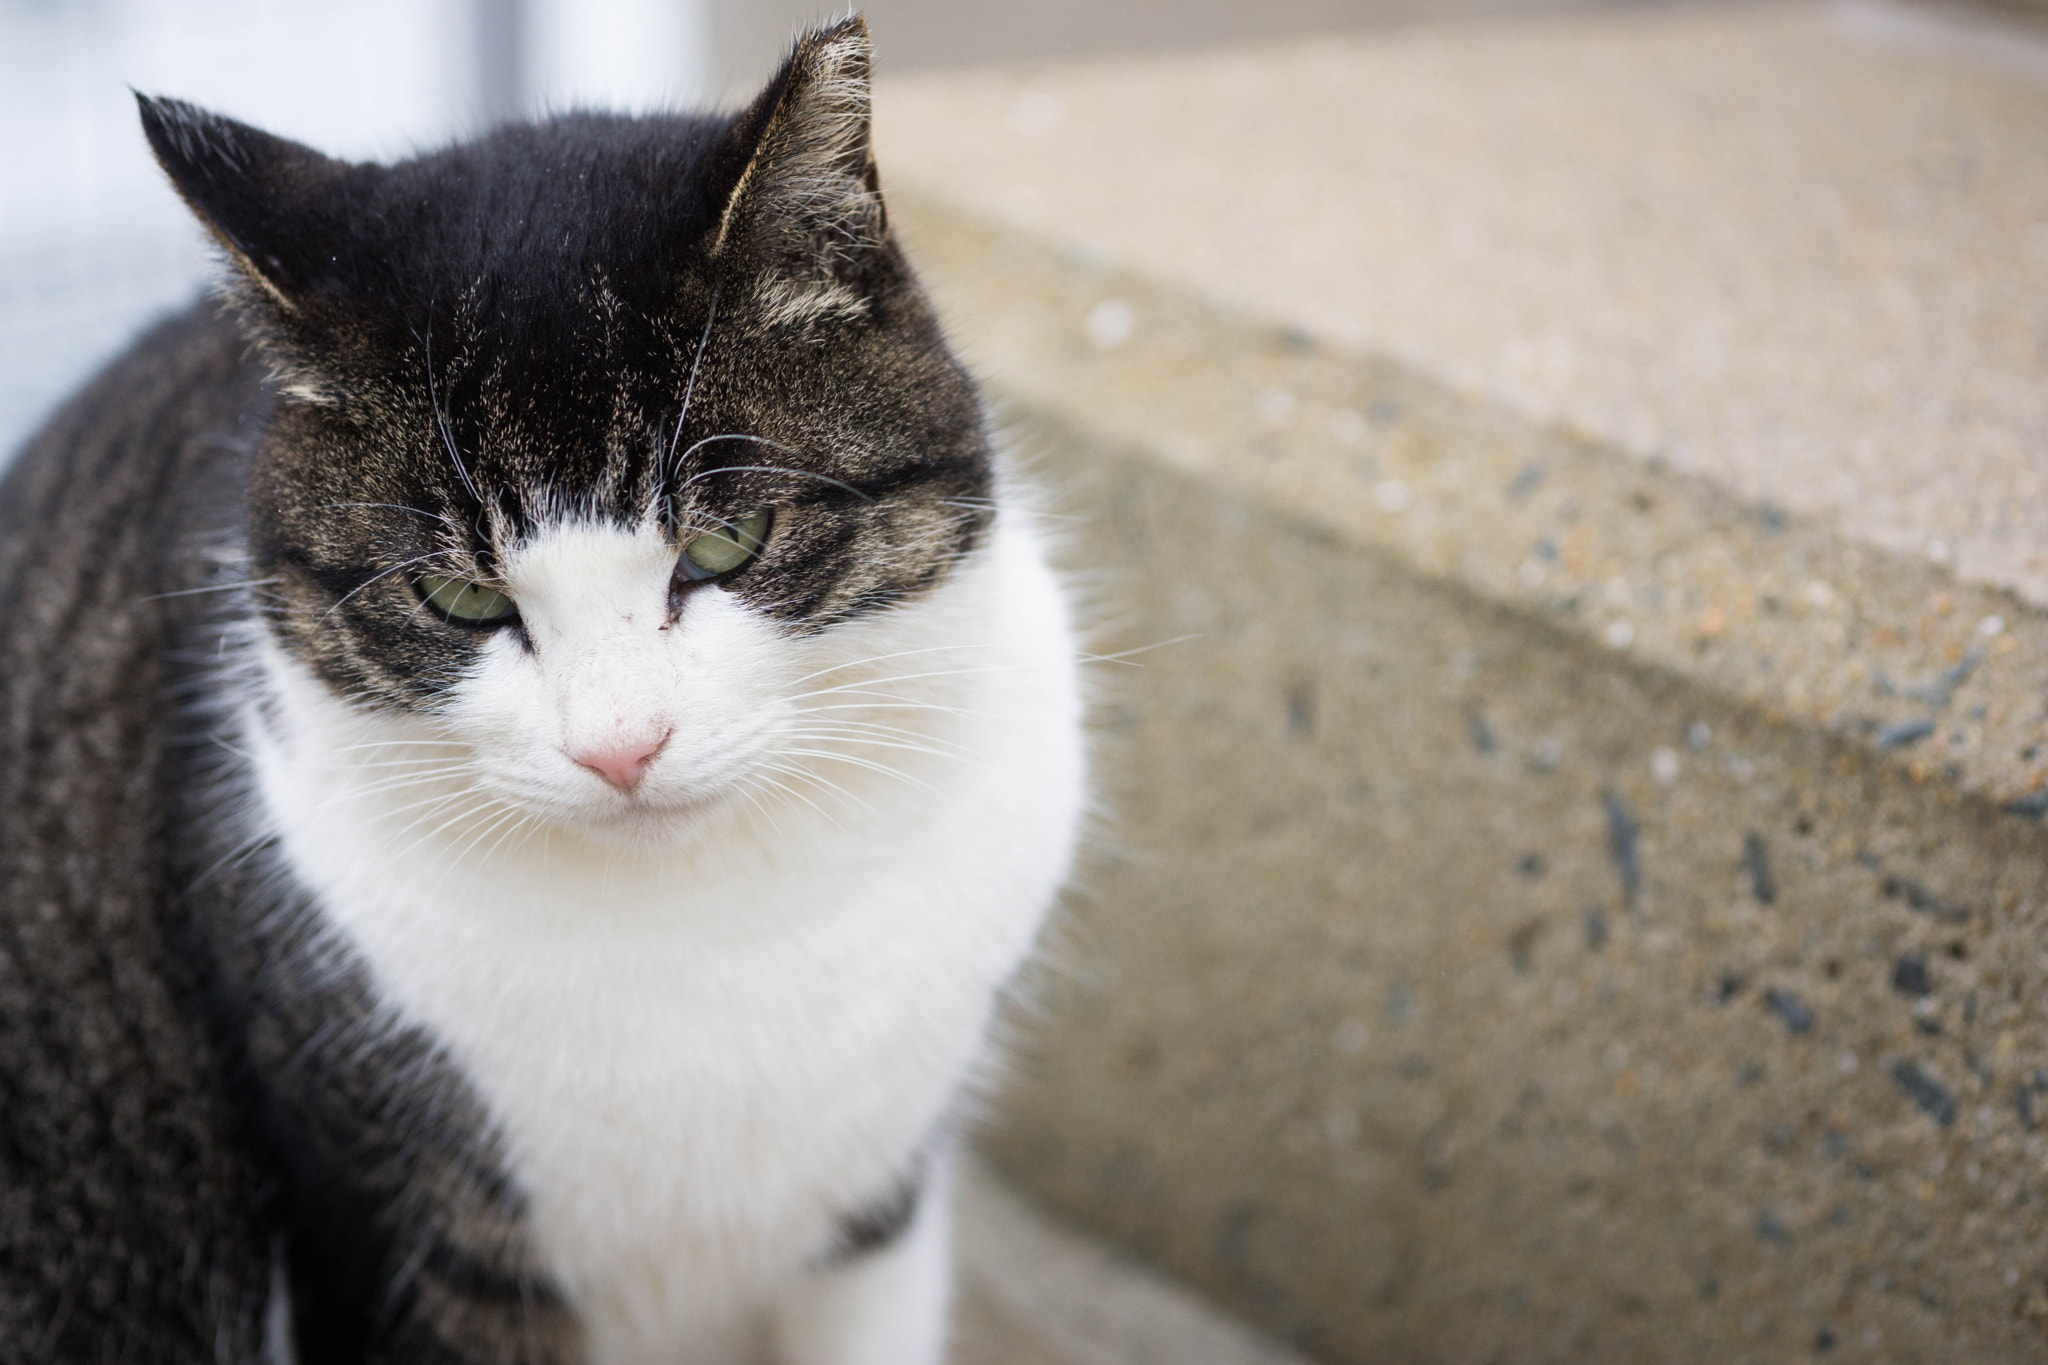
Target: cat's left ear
[{"x": 804, "y": 209}]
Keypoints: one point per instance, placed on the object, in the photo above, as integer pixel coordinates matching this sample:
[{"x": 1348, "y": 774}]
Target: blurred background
[
  {"x": 91, "y": 240},
  {"x": 1565, "y": 491}
]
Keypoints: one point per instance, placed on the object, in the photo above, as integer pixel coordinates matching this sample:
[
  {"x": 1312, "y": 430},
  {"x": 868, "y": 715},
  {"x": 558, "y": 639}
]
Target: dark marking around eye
[{"x": 885, "y": 482}]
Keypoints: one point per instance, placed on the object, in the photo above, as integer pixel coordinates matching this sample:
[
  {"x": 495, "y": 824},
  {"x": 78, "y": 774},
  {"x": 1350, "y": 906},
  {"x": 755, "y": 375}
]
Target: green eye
[
  {"x": 725, "y": 548},
  {"x": 460, "y": 599}
]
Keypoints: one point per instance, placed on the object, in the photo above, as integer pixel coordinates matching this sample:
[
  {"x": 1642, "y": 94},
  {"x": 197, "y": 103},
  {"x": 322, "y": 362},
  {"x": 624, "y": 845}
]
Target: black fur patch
[{"x": 876, "y": 1225}]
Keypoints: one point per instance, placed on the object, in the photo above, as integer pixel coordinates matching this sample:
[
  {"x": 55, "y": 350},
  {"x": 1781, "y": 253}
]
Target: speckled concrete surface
[
  {"x": 1559, "y": 908},
  {"x": 1802, "y": 251},
  {"x": 1455, "y": 990}
]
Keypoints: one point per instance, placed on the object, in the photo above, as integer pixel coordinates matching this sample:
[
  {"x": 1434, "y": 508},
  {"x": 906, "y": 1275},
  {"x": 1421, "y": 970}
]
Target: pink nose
[{"x": 621, "y": 763}]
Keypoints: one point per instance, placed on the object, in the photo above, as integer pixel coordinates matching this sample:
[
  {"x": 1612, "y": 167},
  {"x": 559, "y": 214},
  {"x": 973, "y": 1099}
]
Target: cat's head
[{"x": 591, "y": 435}]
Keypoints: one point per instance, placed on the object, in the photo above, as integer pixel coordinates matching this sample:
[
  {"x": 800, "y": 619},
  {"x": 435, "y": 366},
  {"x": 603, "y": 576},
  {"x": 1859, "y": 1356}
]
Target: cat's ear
[
  {"x": 804, "y": 203},
  {"x": 266, "y": 200}
]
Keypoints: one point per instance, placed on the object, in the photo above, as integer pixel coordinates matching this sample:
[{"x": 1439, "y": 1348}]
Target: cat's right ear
[
  {"x": 262, "y": 197},
  {"x": 800, "y": 199}
]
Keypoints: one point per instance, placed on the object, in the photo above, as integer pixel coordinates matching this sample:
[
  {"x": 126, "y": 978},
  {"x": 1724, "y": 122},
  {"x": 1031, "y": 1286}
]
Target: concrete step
[
  {"x": 1034, "y": 1291},
  {"x": 1575, "y": 885}
]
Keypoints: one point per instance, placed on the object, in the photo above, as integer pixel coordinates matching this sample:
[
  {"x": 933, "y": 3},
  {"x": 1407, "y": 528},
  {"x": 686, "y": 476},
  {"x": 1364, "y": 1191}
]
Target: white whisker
[
  {"x": 858, "y": 762},
  {"x": 883, "y": 658},
  {"x": 380, "y": 577},
  {"x": 218, "y": 587}
]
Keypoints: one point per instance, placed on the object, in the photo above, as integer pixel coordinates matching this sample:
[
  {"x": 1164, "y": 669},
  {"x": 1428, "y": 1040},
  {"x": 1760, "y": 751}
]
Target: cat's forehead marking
[{"x": 583, "y": 564}]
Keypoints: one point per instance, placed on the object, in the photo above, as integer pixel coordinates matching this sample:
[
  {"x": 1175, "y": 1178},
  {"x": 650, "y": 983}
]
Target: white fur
[
  {"x": 714, "y": 1015},
  {"x": 881, "y": 1309}
]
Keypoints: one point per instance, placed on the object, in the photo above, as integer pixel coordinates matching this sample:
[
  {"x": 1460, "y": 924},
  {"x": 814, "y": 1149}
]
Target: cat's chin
[{"x": 647, "y": 822}]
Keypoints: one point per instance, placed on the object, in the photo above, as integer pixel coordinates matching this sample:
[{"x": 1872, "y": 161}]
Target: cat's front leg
[{"x": 885, "y": 1299}]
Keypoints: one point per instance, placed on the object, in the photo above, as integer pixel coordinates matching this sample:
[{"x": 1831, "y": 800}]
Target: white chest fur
[{"x": 700, "y": 1055}]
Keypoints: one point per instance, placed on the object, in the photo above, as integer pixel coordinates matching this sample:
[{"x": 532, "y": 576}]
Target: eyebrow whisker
[
  {"x": 690, "y": 388},
  {"x": 763, "y": 468}
]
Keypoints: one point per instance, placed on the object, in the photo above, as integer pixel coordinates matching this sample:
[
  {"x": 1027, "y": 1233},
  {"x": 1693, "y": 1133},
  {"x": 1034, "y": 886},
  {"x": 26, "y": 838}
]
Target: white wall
[
  {"x": 616, "y": 54},
  {"x": 92, "y": 241}
]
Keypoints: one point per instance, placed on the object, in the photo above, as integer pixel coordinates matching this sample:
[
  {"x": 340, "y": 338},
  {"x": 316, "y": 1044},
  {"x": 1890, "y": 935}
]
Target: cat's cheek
[{"x": 498, "y": 708}]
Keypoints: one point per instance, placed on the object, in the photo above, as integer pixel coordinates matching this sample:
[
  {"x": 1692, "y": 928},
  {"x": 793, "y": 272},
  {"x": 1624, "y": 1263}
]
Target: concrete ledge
[
  {"x": 1749, "y": 600},
  {"x": 1561, "y": 905},
  {"x": 1798, "y": 249}
]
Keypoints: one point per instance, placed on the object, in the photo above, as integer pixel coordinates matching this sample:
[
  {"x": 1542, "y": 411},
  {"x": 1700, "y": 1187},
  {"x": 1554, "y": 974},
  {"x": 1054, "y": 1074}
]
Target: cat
[{"x": 532, "y": 744}]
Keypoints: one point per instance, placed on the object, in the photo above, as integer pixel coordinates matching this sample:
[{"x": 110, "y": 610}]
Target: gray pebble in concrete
[
  {"x": 1797, "y": 1014},
  {"x": 1903, "y": 733},
  {"x": 1756, "y": 869},
  {"x": 1301, "y": 709},
  {"x": 1937, "y": 690},
  {"x": 2033, "y": 805},
  {"x": 1921, "y": 899},
  {"x": 1925, "y": 1091},
  {"x": 1623, "y": 834},
  {"x": 1478, "y": 731}
]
